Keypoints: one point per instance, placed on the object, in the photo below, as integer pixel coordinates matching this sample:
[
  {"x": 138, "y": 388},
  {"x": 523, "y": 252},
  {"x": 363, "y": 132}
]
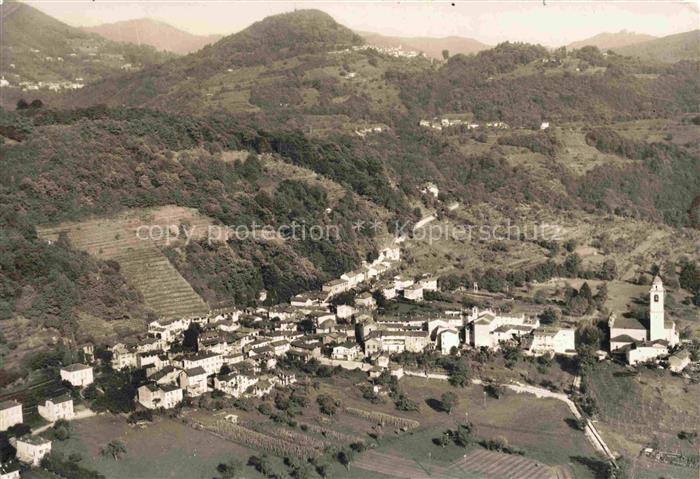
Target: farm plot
[{"x": 163, "y": 288}]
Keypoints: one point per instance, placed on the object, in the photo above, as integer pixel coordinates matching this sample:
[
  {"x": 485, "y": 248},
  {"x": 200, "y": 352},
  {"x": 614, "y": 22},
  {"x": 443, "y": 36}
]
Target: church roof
[
  {"x": 624, "y": 322},
  {"x": 623, "y": 338},
  {"x": 657, "y": 280}
]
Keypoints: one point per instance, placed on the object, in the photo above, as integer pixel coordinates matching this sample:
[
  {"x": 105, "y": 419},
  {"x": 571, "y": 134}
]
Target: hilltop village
[{"x": 244, "y": 353}]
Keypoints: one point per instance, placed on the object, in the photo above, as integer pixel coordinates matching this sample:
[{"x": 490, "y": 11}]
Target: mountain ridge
[
  {"x": 668, "y": 49},
  {"x": 158, "y": 34},
  {"x": 610, "y": 40}
]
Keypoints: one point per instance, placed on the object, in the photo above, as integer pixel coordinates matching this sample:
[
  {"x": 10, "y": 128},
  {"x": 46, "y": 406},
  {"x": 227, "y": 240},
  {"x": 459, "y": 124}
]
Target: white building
[
  {"x": 211, "y": 362},
  {"x": 642, "y": 352},
  {"x": 544, "y": 125},
  {"x": 336, "y": 286},
  {"x": 10, "y": 414},
  {"x": 9, "y": 471},
  {"x": 347, "y": 351},
  {"x": 78, "y": 375},
  {"x": 448, "y": 338},
  {"x": 488, "y": 329},
  {"x": 235, "y": 383},
  {"x": 344, "y": 311},
  {"x": 32, "y": 449},
  {"x": 59, "y": 408},
  {"x": 153, "y": 396},
  {"x": 553, "y": 341},
  {"x": 413, "y": 292},
  {"x": 193, "y": 381},
  {"x": 365, "y": 300}
]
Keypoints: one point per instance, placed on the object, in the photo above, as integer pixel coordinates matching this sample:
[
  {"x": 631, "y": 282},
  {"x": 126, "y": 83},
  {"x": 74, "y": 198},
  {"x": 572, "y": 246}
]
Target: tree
[
  {"x": 345, "y": 457},
  {"x": 445, "y": 54},
  {"x": 448, "y": 401},
  {"x": 22, "y": 104},
  {"x": 550, "y": 316},
  {"x": 608, "y": 270},
  {"x": 495, "y": 390},
  {"x": 115, "y": 449},
  {"x": 231, "y": 469},
  {"x": 463, "y": 434},
  {"x": 327, "y": 405},
  {"x": 190, "y": 339}
]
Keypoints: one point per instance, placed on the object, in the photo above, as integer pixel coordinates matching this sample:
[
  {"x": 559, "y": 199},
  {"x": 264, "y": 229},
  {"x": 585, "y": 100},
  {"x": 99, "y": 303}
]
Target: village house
[
  {"x": 353, "y": 278},
  {"x": 395, "y": 342},
  {"x": 235, "y": 383},
  {"x": 167, "y": 375},
  {"x": 123, "y": 357},
  {"x": 309, "y": 299},
  {"x": 58, "y": 408},
  {"x": 336, "y": 286},
  {"x": 489, "y": 329},
  {"x": 211, "y": 362},
  {"x": 344, "y": 311},
  {"x": 388, "y": 290},
  {"x": 365, "y": 300},
  {"x": 193, "y": 381},
  {"x": 547, "y": 340},
  {"x": 305, "y": 350},
  {"x": 284, "y": 379},
  {"x": 149, "y": 344},
  {"x": 678, "y": 361},
  {"x": 9, "y": 470},
  {"x": 347, "y": 351},
  {"x": 429, "y": 283},
  {"x": 260, "y": 388},
  {"x": 154, "y": 396},
  {"x": 641, "y": 352},
  {"x": 32, "y": 449},
  {"x": 430, "y": 188},
  {"x": 402, "y": 282},
  {"x": 10, "y": 414},
  {"x": 413, "y": 292},
  {"x": 448, "y": 338},
  {"x": 149, "y": 358}
]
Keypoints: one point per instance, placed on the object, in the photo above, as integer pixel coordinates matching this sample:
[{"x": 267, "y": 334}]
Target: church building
[{"x": 629, "y": 333}]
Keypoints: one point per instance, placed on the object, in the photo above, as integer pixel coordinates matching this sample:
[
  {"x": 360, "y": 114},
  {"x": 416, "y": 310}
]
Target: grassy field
[
  {"x": 647, "y": 408},
  {"x": 165, "y": 449},
  {"x": 169, "y": 448}
]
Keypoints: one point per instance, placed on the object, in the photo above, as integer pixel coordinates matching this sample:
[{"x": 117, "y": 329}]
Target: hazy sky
[{"x": 556, "y": 23}]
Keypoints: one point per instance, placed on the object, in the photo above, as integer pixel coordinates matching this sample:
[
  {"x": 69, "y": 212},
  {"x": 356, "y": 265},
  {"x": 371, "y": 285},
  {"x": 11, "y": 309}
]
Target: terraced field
[{"x": 137, "y": 251}]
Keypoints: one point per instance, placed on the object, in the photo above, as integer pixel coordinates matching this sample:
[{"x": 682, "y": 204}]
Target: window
[{"x": 656, "y": 298}]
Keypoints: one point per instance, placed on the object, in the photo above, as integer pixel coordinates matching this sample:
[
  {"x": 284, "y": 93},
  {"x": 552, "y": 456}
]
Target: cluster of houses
[
  {"x": 362, "y": 132},
  {"x": 396, "y": 52},
  {"x": 48, "y": 85},
  {"x": 32, "y": 449},
  {"x": 238, "y": 350},
  {"x": 440, "y": 123}
]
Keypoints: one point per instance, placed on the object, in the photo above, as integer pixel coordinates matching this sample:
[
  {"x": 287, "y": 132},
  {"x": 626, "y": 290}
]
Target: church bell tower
[{"x": 656, "y": 310}]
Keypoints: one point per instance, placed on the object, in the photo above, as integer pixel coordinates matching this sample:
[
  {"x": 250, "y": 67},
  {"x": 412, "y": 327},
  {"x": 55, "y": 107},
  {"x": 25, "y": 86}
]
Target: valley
[{"x": 298, "y": 251}]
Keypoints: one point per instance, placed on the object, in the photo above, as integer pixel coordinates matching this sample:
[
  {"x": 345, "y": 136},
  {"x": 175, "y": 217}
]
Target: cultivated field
[{"x": 163, "y": 288}]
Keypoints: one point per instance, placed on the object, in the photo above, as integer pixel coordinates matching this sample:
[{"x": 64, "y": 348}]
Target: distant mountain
[
  {"x": 605, "y": 41},
  {"x": 669, "y": 49},
  {"x": 38, "y": 48},
  {"x": 432, "y": 47},
  {"x": 233, "y": 69},
  {"x": 160, "y": 35}
]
